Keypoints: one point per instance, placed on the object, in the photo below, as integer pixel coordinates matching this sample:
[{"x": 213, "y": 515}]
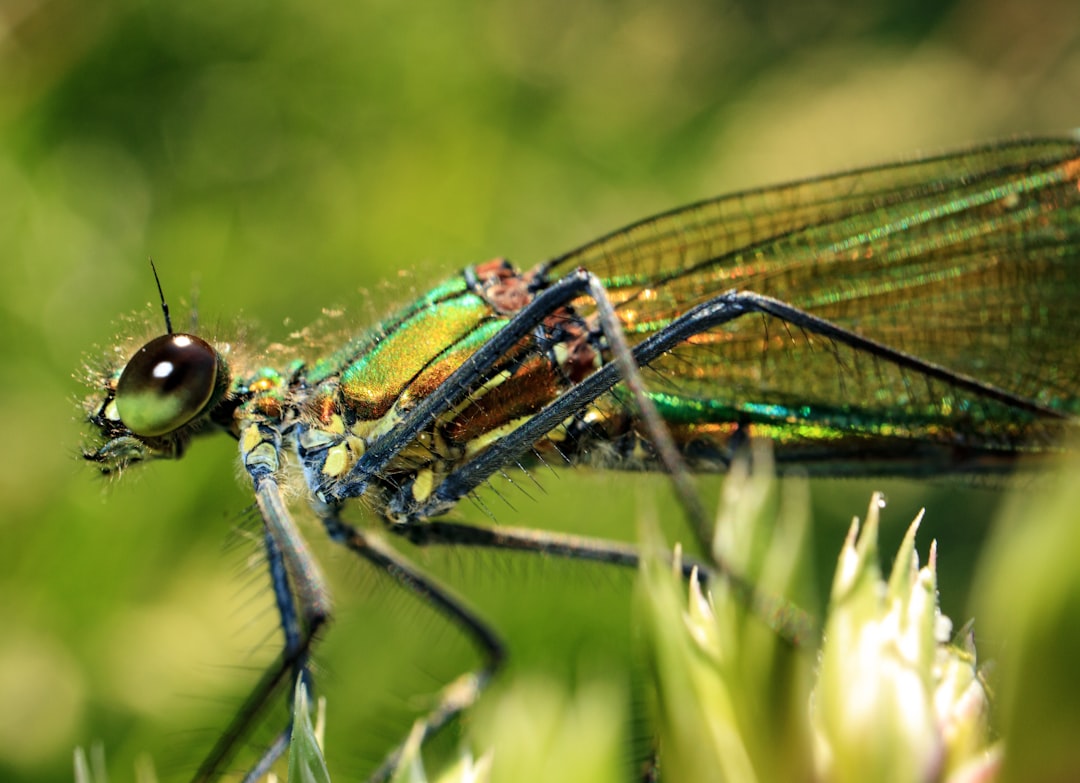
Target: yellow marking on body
[
  {"x": 562, "y": 354},
  {"x": 357, "y": 447},
  {"x": 422, "y": 485},
  {"x": 474, "y": 396},
  {"x": 439, "y": 444},
  {"x": 262, "y": 454},
  {"x": 317, "y": 439},
  {"x": 593, "y": 416},
  {"x": 497, "y": 380},
  {"x": 478, "y": 444},
  {"x": 442, "y": 448},
  {"x": 558, "y": 434},
  {"x": 336, "y": 425},
  {"x": 383, "y": 425},
  {"x": 251, "y": 439},
  {"x": 111, "y": 413},
  {"x": 363, "y": 428},
  {"x": 337, "y": 460},
  {"x": 561, "y": 432},
  {"x": 416, "y": 452}
]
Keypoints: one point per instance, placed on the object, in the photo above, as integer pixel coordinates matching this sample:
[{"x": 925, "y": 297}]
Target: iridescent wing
[{"x": 968, "y": 261}]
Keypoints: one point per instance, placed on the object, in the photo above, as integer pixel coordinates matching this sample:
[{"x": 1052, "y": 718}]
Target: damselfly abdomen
[{"x": 907, "y": 319}]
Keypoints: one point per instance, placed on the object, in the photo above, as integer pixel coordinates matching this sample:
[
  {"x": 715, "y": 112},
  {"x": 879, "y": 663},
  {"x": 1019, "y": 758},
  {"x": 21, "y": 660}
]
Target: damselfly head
[
  {"x": 152, "y": 405},
  {"x": 158, "y": 399}
]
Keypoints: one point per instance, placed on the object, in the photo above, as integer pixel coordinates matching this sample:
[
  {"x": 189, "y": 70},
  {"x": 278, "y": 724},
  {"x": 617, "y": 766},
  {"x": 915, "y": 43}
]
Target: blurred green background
[{"x": 279, "y": 158}]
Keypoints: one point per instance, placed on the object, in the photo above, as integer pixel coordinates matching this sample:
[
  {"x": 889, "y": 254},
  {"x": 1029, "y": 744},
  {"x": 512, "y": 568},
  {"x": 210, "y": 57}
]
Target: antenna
[{"x": 164, "y": 304}]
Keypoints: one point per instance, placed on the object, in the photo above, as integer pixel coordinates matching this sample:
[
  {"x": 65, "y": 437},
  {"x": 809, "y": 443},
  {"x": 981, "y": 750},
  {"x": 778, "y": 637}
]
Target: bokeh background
[{"x": 279, "y": 158}]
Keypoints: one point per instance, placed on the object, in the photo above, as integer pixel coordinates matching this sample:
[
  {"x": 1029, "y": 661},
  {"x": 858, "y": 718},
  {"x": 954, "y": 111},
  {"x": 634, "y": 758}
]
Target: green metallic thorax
[{"x": 345, "y": 402}]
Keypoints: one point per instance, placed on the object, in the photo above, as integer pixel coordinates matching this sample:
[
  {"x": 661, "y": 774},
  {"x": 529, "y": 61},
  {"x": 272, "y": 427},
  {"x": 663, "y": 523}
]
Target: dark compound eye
[{"x": 166, "y": 384}]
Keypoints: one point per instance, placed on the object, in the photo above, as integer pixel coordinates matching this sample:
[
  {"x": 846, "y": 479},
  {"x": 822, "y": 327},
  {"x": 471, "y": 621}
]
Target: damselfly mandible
[{"x": 906, "y": 319}]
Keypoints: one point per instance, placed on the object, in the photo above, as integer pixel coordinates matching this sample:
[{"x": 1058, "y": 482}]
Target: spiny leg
[
  {"x": 790, "y": 622},
  {"x": 288, "y": 666},
  {"x": 300, "y": 595},
  {"x": 519, "y": 539},
  {"x": 465, "y": 689},
  {"x": 655, "y": 427}
]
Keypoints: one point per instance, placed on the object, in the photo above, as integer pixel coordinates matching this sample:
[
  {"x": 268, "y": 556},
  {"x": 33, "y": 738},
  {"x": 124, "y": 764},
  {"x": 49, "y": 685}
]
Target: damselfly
[{"x": 908, "y": 319}]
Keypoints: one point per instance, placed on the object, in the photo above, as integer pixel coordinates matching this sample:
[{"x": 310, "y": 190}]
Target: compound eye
[{"x": 166, "y": 384}]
